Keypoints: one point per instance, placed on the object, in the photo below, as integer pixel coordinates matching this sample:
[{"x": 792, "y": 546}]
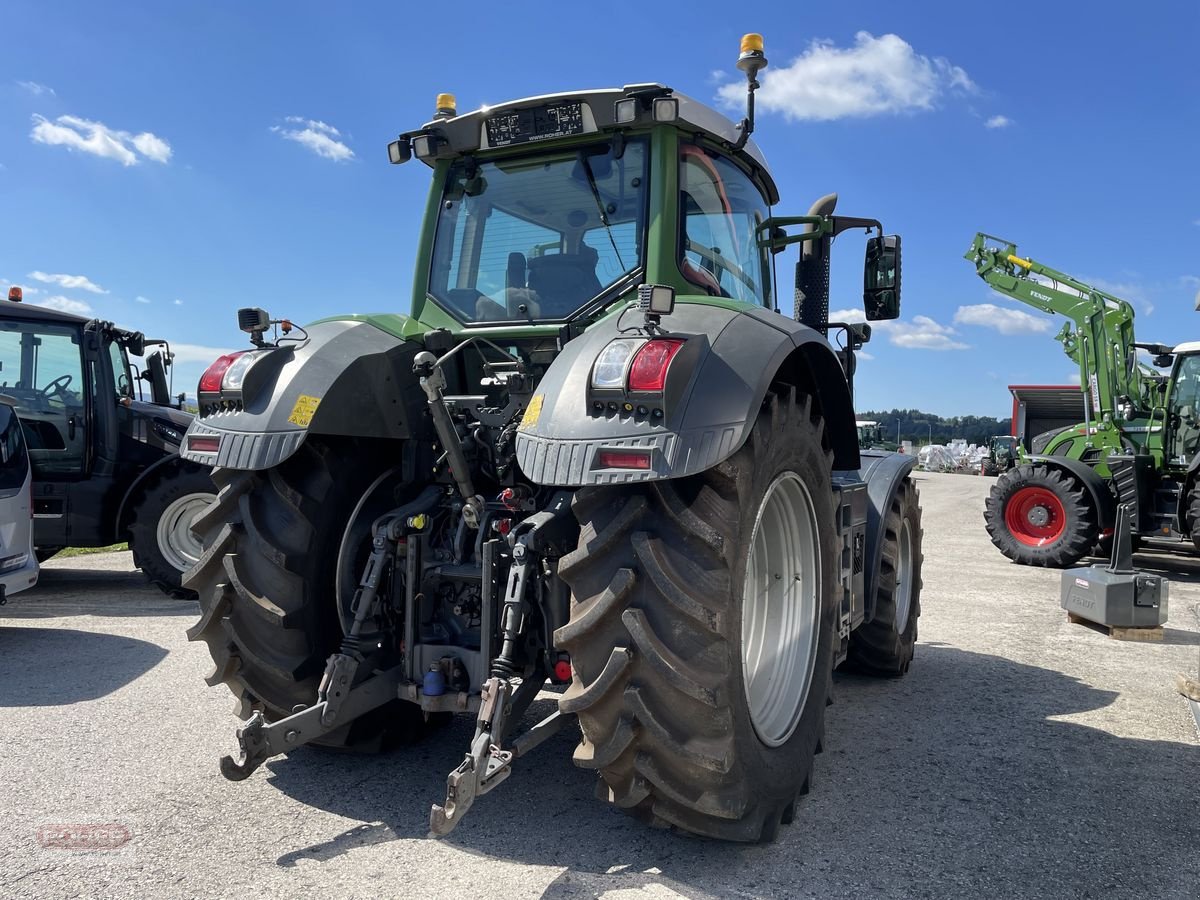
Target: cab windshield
[{"x": 536, "y": 238}]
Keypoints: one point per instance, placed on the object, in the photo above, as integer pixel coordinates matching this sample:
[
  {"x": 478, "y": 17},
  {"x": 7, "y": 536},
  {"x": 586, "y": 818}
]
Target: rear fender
[
  {"x": 883, "y": 472},
  {"x": 714, "y": 391},
  {"x": 1097, "y": 487},
  {"x": 349, "y": 378}
]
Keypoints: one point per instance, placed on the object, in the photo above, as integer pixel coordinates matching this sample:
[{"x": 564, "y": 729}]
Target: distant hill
[{"x": 915, "y": 426}]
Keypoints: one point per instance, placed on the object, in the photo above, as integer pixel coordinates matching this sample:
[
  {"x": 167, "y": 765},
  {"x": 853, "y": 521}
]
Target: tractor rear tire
[
  {"x": 159, "y": 536},
  {"x": 989, "y": 468},
  {"x": 1038, "y": 516},
  {"x": 656, "y": 633},
  {"x": 267, "y": 586},
  {"x": 885, "y": 645}
]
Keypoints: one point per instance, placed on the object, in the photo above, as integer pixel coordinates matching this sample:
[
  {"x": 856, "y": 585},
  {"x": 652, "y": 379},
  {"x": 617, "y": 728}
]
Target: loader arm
[{"x": 1099, "y": 336}]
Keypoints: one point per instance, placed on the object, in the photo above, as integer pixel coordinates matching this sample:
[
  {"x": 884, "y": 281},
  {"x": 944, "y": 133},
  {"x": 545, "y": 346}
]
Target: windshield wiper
[{"x": 591, "y": 180}]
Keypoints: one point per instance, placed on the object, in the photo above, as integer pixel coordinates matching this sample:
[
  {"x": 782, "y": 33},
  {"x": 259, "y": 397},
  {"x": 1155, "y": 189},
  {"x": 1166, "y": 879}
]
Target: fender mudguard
[
  {"x": 714, "y": 390},
  {"x": 123, "y": 510},
  {"x": 1103, "y": 500},
  {"x": 883, "y": 471},
  {"x": 349, "y": 378}
]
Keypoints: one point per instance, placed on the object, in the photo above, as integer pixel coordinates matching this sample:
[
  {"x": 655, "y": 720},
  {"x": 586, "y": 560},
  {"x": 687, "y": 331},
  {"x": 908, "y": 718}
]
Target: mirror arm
[{"x": 845, "y": 223}]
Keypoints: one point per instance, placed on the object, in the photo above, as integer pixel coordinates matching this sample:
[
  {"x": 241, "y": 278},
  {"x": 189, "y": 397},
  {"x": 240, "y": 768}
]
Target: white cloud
[
  {"x": 195, "y": 353},
  {"x": 319, "y": 137},
  {"x": 1005, "y": 321},
  {"x": 141, "y": 299},
  {"x": 877, "y": 76},
  {"x": 177, "y": 302},
  {"x": 847, "y": 315},
  {"x": 923, "y": 333},
  {"x": 69, "y": 282},
  {"x": 36, "y": 89},
  {"x": 100, "y": 140},
  {"x": 65, "y": 304},
  {"x": 998, "y": 122}
]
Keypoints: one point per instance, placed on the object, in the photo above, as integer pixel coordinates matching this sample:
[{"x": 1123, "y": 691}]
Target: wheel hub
[
  {"x": 174, "y": 531},
  {"x": 781, "y": 609},
  {"x": 1039, "y": 517}
]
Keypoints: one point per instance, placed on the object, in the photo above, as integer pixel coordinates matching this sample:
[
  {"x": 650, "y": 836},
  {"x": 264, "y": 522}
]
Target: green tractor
[
  {"x": 1137, "y": 442},
  {"x": 594, "y": 459},
  {"x": 871, "y": 437},
  {"x": 1003, "y": 452}
]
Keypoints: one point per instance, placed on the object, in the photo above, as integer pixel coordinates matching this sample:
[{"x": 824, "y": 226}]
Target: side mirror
[{"x": 881, "y": 278}]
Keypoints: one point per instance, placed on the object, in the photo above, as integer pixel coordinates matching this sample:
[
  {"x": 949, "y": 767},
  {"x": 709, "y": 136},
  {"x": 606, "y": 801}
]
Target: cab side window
[
  {"x": 721, "y": 212},
  {"x": 41, "y": 376}
]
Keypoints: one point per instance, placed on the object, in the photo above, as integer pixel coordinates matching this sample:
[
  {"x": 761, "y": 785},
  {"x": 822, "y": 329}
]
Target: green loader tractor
[
  {"x": 595, "y": 459},
  {"x": 1137, "y": 442}
]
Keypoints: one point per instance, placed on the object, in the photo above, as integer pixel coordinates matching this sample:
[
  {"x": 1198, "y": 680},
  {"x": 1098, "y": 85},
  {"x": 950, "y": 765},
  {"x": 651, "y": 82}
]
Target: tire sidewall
[{"x": 774, "y": 769}]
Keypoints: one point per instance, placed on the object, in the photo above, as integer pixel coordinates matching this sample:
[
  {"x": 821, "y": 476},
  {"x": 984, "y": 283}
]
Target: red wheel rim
[{"x": 1035, "y": 516}]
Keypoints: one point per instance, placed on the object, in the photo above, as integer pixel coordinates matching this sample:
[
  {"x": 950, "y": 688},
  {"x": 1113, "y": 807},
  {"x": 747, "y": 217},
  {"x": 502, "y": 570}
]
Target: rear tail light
[
  {"x": 210, "y": 381},
  {"x": 648, "y": 371},
  {"x": 623, "y": 459}
]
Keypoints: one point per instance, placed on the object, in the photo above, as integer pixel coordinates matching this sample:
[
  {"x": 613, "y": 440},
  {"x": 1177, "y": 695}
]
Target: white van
[{"x": 18, "y": 563}]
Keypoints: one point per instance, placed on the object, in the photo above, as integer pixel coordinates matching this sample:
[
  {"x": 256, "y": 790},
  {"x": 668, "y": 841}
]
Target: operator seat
[{"x": 563, "y": 282}]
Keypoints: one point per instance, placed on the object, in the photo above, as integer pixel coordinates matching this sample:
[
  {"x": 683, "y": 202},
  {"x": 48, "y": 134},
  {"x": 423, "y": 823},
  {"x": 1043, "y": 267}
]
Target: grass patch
[{"x": 84, "y": 551}]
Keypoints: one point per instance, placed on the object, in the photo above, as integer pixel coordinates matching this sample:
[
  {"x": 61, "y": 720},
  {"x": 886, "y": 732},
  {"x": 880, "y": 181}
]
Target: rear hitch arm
[{"x": 260, "y": 741}]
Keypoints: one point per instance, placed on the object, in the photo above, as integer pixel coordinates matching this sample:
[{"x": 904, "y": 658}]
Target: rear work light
[
  {"x": 210, "y": 381},
  {"x": 648, "y": 371},
  {"x": 623, "y": 459}
]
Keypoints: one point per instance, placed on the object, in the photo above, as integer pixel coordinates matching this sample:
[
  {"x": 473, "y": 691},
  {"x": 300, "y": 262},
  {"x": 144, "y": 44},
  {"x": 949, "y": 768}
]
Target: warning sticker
[
  {"x": 534, "y": 412},
  {"x": 304, "y": 410},
  {"x": 1081, "y": 583}
]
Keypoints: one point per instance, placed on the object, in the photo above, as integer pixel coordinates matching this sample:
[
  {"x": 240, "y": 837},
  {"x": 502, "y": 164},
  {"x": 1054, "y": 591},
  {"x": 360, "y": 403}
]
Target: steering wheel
[{"x": 54, "y": 387}]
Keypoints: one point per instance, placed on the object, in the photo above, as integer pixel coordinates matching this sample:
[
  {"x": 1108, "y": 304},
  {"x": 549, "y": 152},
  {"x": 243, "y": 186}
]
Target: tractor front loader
[
  {"x": 1137, "y": 442},
  {"x": 594, "y": 458}
]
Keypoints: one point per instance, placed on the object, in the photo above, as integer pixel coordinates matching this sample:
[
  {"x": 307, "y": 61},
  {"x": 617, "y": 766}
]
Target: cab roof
[
  {"x": 467, "y": 133},
  {"x": 24, "y": 311}
]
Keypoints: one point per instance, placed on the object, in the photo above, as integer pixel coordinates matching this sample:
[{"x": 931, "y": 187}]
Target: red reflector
[
  {"x": 649, "y": 369},
  {"x": 562, "y": 671},
  {"x": 210, "y": 381},
  {"x": 623, "y": 459},
  {"x": 199, "y": 444}
]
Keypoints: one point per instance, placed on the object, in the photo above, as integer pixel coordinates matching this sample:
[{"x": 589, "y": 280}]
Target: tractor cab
[
  {"x": 549, "y": 210},
  {"x": 1182, "y": 425}
]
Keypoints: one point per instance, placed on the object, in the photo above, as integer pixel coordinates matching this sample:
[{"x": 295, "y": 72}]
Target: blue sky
[{"x": 161, "y": 165}]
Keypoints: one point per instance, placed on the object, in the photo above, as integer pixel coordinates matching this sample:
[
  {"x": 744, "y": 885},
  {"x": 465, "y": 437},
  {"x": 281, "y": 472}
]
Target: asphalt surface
[{"x": 1021, "y": 757}]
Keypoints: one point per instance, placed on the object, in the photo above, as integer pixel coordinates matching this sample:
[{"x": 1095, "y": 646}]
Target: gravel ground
[{"x": 1022, "y": 756}]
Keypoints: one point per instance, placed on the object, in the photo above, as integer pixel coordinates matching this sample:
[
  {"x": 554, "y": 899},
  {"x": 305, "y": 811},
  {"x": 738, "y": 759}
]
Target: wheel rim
[
  {"x": 781, "y": 609},
  {"x": 904, "y": 577},
  {"x": 175, "y": 540},
  {"x": 1035, "y": 516}
]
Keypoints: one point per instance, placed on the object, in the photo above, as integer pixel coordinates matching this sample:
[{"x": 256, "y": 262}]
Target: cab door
[{"x": 42, "y": 378}]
